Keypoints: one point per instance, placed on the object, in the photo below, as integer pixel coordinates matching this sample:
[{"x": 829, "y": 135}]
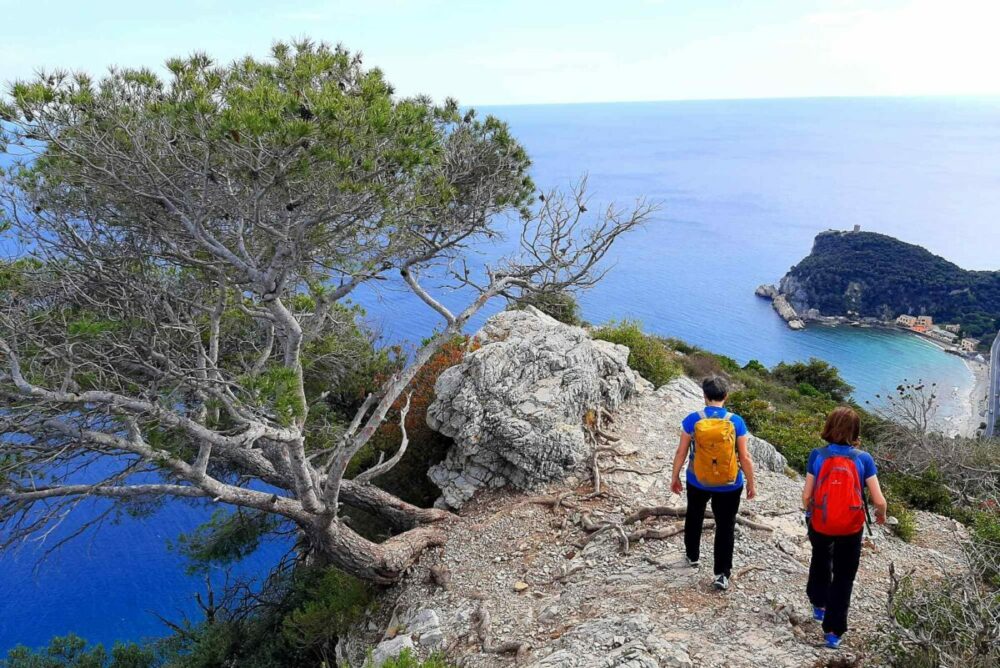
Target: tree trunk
[
  {"x": 400, "y": 515},
  {"x": 382, "y": 563}
]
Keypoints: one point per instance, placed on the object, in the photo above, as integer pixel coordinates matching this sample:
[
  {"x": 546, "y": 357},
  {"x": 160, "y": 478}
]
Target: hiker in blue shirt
[
  {"x": 833, "y": 499},
  {"x": 714, "y": 441}
]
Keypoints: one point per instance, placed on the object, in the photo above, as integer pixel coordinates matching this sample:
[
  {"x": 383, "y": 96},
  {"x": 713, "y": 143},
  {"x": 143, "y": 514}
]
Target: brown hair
[{"x": 843, "y": 426}]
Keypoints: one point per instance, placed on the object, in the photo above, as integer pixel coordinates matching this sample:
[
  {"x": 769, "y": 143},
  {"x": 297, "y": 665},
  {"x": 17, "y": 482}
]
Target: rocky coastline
[{"x": 972, "y": 407}]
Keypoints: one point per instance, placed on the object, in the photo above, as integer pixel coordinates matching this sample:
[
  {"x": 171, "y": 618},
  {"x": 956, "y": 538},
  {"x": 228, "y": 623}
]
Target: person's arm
[
  {"x": 807, "y": 491},
  {"x": 682, "y": 452},
  {"x": 747, "y": 465},
  {"x": 878, "y": 499}
]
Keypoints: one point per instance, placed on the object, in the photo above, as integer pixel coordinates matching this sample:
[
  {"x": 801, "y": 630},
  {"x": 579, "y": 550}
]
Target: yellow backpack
[{"x": 715, "y": 462}]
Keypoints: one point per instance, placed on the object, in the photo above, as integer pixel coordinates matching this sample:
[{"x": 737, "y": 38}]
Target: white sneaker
[{"x": 721, "y": 582}]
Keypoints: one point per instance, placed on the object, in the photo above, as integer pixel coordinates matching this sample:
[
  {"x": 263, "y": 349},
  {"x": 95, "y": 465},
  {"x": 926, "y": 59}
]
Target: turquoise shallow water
[{"x": 744, "y": 188}]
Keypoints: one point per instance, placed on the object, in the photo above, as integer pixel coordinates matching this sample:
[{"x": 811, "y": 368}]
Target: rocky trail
[{"x": 559, "y": 577}]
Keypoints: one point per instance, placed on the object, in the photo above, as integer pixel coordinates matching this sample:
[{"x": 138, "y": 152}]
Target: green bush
[
  {"x": 560, "y": 305},
  {"x": 648, "y": 355},
  {"x": 808, "y": 390},
  {"x": 924, "y": 492},
  {"x": 906, "y": 526},
  {"x": 680, "y": 346},
  {"x": 986, "y": 536},
  {"x": 333, "y": 603},
  {"x": 821, "y": 376},
  {"x": 788, "y": 420},
  {"x": 72, "y": 652},
  {"x": 406, "y": 659},
  {"x": 306, "y": 611}
]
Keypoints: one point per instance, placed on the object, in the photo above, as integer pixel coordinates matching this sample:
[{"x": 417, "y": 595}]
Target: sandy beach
[
  {"x": 967, "y": 422},
  {"x": 979, "y": 396}
]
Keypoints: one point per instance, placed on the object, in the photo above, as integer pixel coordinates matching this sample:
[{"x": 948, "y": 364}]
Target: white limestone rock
[
  {"x": 390, "y": 649},
  {"x": 515, "y": 406}
]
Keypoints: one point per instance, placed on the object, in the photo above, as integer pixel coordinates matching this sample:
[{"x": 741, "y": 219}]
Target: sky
[{"x": 488, "y": 52}]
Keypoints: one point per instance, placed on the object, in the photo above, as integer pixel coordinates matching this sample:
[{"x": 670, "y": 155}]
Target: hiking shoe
[
  {"x": 832, "y": 640},
  {"x": 721, "y": 582},
  {"x": 693, "y": 563},
  {"x": 819, "y": 613}
]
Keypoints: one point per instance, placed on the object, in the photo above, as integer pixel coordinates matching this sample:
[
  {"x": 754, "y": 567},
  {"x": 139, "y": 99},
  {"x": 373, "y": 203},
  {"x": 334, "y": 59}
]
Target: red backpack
[{"x": 838, "y": 503}]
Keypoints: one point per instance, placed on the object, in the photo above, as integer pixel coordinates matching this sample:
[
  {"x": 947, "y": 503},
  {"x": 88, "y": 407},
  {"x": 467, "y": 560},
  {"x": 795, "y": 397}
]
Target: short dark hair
[
  {"x": 843, "y": 427},
  {"x": 716, "y": 388}
]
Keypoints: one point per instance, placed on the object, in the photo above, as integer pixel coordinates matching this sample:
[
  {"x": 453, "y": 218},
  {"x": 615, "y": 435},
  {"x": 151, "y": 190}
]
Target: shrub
[
  {"x": 294, "y": 621},
  {"x": 906, "y": 525},
  {"x": 728, "y": 364},
  {"x": 808, "y": 390},
  {"x": 986, "y": 537},
  {"x": 821, "y": 375},
  {"x": 73, "y": 652},
  {"x": 953, "y": 622},
  {"x": 924, "y": 491},
  {"x": 700, "y": 365},
  {"x": 789, "y": 421},
  {"x": 335, "y": 601},
  {"x": 680, "y": 346},
  {"x": 406, "y": 659},
  {"x": 560, "y": 305},
  {"x": 648, "y": 355}
]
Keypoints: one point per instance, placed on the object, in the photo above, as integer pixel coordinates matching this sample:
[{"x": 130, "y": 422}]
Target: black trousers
[
  {"x": 725, "y": 505},
  {"x": 831, "y": 576}
]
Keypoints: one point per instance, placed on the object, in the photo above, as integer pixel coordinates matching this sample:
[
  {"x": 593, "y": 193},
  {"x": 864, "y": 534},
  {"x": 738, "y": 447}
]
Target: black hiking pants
[
  {"x": 725, "y": 505},
  {"x": 831, "y": 576}
]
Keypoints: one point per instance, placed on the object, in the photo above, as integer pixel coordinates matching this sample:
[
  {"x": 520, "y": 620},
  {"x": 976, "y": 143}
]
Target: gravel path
[{"x": 519, "y": 565}]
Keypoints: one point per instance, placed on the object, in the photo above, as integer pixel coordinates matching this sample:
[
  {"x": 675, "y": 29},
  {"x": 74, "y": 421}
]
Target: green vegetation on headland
[{"x": 873, "y": 275}]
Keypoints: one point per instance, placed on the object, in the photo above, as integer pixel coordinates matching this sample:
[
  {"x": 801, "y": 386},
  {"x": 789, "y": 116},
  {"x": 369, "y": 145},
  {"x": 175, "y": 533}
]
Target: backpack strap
[
  {"x": 725, "y": 415},
  {"x": 855, "y": 455},
  {"x": 702, "y": 415}
]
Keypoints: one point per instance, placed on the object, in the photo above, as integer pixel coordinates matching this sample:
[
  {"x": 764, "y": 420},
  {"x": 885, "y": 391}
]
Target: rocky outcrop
[
  {"x": 526, "y": 576},
  {"x": 766, "y": 291},
  {"x": 787, "y": 313},
  {"x": 780, "y": 303},
  {"x": 515, "y": 406}
]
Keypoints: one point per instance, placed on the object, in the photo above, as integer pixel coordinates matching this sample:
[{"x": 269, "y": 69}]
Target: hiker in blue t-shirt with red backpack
[{"x": 834, "y": 501}]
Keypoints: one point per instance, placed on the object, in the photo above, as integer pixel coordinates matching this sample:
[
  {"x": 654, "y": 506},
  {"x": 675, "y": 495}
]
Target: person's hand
[
  {"x": 751, "y": 490},
  {"x": 880, "y": 516},
  {"x": 675, "y": 486}
]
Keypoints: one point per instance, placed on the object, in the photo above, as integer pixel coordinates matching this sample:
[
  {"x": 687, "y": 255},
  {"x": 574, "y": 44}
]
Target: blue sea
[{"x": 743, "y": 187}]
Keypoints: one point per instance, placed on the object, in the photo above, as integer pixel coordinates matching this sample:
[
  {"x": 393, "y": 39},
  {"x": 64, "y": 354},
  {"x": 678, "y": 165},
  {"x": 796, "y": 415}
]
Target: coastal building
[
  {"x": 968, "y": 345},
  {"x": 906, "y": 321},
  {"x": 954, "y": 329},
  {"x": 942, "y": 335},
  {"x": 925, "y": 321}
]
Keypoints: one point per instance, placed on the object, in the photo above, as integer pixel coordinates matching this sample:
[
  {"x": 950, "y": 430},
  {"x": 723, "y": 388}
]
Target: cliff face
[
  {"x": 561, "y": 577},
  {"x": 863, "y": 274}
]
